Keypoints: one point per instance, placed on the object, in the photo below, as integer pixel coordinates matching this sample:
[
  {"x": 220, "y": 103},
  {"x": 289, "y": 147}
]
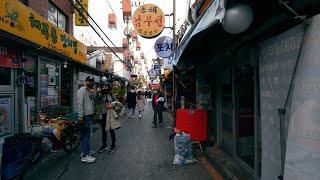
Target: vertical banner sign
[
  {"x": 164, "y": 47},
  {"x": 148, "y": 20},
  {"x": 168, "y": 63},
  {"x": 156, "y": 67},
  {"x": 81, "y": 17}
]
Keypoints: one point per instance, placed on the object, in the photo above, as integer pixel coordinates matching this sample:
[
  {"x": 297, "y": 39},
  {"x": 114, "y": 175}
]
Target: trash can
[{"x": 193, "y": 122}]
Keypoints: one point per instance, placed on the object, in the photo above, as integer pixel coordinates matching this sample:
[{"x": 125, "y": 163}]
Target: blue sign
[{"x": 164, "y": 47}]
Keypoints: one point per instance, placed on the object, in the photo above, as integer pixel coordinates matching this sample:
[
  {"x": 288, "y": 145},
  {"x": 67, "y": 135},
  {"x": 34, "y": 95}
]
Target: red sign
[
  {"x": 155, "y": 86},
  {"x": 8, "y": 58}
]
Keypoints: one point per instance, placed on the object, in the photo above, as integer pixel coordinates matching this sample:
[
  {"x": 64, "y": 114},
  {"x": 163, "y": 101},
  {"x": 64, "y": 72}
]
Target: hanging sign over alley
[
  {"x": 148, "y": 20},
  {"x": 164, "y": 47},
  {"x": 81, "y": 18},
  {"x": 168, "y": 63},
  {"x": 21, "y": 21}
]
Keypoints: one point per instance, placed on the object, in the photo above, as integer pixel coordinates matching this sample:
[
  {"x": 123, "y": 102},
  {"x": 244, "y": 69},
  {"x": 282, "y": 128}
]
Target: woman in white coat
[{"x": 140, "y": 103}]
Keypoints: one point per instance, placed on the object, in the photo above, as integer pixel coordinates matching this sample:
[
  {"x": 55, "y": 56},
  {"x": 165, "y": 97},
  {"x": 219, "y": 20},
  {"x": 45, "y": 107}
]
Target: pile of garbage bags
[{"x": 183, "y": 149}]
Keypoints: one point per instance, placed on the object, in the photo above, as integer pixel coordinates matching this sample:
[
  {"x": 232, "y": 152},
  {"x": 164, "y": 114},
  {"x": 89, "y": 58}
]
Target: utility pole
[{"x": 173, "y": 73}]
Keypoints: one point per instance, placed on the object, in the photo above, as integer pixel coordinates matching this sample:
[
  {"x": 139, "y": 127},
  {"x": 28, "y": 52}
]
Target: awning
[{"x": 213, "y": 15}]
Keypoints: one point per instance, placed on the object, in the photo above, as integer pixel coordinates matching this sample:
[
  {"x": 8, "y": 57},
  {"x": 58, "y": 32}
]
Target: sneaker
[
  {"x": 140, "y": 116},
  {"x": 102, "y": 149},
  {"x": 133, "y": 116},
  {"x": 88, "y": 159},
  {"x": 154, "y": 126},
  {"x": 90, "y": 153},
  {"x": 112, "y": 150}
]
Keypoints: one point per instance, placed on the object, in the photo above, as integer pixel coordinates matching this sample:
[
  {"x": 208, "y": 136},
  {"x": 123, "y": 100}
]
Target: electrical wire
[
  {"x": 79, "y": 3},
  {"x": 81, "y": 14},
  {"x": 122, "y": 28}
]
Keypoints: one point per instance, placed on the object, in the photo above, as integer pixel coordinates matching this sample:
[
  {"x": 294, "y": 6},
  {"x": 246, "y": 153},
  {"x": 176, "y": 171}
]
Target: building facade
[
  {"x": 40, "y": 62},
  {"x": 260, "y": 87}
]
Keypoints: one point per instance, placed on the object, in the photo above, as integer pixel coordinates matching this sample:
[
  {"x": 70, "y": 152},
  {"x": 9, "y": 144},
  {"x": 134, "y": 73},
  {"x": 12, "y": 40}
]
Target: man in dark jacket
[
  {"x": 131, "y": 102},
  {"x": 158, "y": 106}
]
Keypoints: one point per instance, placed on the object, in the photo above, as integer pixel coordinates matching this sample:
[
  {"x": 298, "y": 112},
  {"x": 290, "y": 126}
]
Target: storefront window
[
  {"x": 5, "y": 74},
  {"x": 49, "y": 86},
  {"x": 30, "y": 91}
]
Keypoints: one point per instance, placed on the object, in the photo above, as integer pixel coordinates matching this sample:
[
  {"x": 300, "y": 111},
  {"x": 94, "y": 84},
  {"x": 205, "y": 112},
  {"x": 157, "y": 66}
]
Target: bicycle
[{"x": 34, "y": 148}]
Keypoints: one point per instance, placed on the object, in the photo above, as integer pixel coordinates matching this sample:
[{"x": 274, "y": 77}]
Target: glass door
[
  {"x": 226, "y": 84},
  {"x": 244, "y": 113}
]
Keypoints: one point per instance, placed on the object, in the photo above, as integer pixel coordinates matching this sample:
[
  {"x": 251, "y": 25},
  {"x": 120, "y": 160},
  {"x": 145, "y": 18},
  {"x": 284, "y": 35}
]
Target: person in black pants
[
  {"x": 158, "y": 107},
  {"x": 102, "y": 98}
]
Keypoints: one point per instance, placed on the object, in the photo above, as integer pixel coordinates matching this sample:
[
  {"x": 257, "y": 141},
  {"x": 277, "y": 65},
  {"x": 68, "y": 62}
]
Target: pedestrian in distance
[
  {"x": 140, "y": 103},
  {"x": 158, "y": 107},
  {"x": 86, "y": 110},
  {"x": 131, "y": 102}
]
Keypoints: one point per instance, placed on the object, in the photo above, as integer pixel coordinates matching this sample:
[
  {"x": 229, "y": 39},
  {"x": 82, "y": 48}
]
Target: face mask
[
  {"x": 132, "y": 91},
  {"x": 90, "y": 85}
]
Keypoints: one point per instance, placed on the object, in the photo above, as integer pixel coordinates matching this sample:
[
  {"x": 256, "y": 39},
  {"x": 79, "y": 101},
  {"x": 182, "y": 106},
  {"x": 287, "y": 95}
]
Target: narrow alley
[{"x": 143, "y": 153}]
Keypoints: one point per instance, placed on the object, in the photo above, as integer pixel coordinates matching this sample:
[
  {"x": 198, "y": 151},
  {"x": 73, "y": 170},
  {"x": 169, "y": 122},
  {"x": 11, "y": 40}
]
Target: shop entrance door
[
  {"x": 244, "y": 113},
  {"x": 226, "y": 111}
]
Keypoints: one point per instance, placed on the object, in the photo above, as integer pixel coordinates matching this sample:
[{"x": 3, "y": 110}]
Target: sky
[{"x": 99, "y": 10}]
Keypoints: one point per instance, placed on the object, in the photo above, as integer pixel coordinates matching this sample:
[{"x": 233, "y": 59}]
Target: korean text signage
[
  {"x": 81, "y": 17},
  {"x": 168, "y": 63},
  {"x": 23, "y": 22},
  {"x": 164, "y": 47},
  {"x": 148, "y": 20}
]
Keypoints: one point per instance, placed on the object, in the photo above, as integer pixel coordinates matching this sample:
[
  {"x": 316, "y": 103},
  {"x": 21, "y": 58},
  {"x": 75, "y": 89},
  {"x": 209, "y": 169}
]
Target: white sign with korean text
[
  {"x": 168, "y": 63},
  {"x": 164, "y": 46}
]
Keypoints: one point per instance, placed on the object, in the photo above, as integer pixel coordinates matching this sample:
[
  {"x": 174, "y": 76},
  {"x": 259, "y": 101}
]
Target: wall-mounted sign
[
  {"x": 81, "y": 18},
  {"x": 21, "y": 21},
  {"x": 148, "y": 20},
  {"x": 164, "y": 47},
  {"x": 168, "y": 63}
]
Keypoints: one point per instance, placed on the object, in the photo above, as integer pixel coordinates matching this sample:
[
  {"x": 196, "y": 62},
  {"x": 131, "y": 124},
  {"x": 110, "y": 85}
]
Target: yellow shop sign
[{"x": 21, "y": 21}]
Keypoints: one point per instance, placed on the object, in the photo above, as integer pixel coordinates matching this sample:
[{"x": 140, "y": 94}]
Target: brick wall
[
  {"x": 65, "y": 7},
  {"x": 41, "y": 7}
]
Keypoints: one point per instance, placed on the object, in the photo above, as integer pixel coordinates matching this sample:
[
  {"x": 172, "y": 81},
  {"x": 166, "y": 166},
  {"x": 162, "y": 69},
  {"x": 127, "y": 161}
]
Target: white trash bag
[{"x": 183, "y": 149}]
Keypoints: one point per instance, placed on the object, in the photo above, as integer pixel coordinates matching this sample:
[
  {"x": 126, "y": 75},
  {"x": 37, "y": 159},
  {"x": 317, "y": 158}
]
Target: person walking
[
  {"x": 131, "y": 102},
  {"x": 85, "y": 97},
  {"x": 140, "y": 103},
  {"x": 158, "y": 108}
]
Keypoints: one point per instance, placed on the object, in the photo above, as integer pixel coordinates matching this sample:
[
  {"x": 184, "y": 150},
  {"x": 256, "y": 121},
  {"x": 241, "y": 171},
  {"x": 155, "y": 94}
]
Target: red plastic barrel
[{"x": 193, "y": 122}]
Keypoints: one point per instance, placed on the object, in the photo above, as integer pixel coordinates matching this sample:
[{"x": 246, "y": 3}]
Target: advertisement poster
[{"x": 5, "y": 111}]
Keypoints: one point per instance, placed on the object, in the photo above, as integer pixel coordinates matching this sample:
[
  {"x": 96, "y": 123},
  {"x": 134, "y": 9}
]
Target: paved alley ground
[{"x": 143, "y": 153}]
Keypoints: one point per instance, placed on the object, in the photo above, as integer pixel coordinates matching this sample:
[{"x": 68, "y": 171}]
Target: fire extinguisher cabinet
[{"x": 193, "y": 122}]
